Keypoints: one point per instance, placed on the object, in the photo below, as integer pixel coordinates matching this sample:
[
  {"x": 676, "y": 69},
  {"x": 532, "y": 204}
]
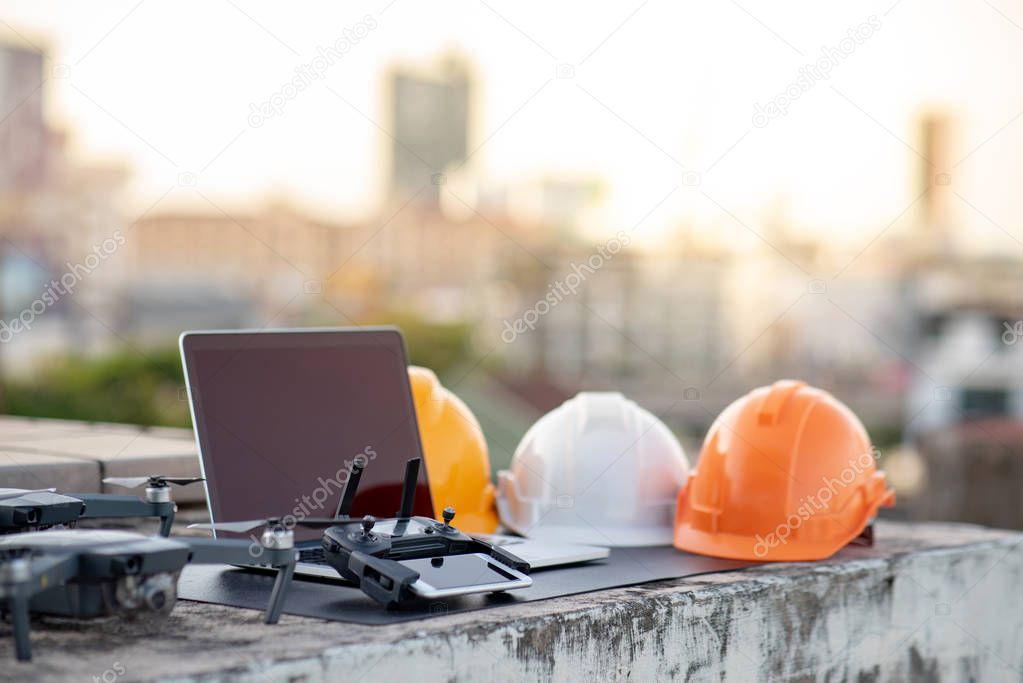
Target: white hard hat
[{"x": 598, "y": 470}]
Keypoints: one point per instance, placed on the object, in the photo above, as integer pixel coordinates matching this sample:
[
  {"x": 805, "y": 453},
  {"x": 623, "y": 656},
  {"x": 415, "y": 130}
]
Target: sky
[{"x": 654, "y": 99}]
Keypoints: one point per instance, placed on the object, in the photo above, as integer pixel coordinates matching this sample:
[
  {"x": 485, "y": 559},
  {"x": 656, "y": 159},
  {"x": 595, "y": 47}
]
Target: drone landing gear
[
  {"x": 20, "y": 579},
  {"x": 18, "y": 607},
  {"x": 276, "y": 550},
  {"x": 279, "y": 592}
]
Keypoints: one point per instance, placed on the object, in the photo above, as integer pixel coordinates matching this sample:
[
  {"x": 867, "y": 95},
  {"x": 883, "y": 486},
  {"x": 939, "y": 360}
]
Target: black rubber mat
[{"x": 225, "y": 585}]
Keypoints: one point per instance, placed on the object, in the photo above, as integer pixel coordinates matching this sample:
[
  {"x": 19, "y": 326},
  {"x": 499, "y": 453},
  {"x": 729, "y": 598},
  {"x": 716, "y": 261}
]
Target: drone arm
[
  {"x": 241, "y": 552},
  {"x": 224, "y": 551},
  {"x": 110, "y": 506},
  {"x": 238, "y": 551}
]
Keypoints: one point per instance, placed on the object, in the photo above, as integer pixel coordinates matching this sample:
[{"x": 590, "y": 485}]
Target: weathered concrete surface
[
  {"x": 14, "y": 428},
  {"x": 27, "y": 470},
  {"x": 111, "y": 450},
  {"x": 930, "y": 603}
]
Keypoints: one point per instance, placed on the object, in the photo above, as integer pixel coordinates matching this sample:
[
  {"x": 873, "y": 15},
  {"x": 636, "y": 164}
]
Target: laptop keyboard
[{"x": 312, "y": 556}]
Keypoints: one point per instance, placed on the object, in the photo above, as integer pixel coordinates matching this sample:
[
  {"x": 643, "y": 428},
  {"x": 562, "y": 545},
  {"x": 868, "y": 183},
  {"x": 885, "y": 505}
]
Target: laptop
[
  {"x": 540, "y": 554},
  {"x": 281, "y": 415}
]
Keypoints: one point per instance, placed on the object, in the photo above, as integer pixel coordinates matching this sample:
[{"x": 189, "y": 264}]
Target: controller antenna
[
  {"x": 344, "y": 506},
  {"x": 408, "y": 489}
]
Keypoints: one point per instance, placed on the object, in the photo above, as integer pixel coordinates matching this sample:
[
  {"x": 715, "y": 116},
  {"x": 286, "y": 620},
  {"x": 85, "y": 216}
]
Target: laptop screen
[{"x": 281, "y": 416}]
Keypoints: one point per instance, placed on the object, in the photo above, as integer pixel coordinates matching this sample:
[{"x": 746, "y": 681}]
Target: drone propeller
[
  {"x": 154, "y": 481},
  {"x": 17, "y": 493},
  {"x": 248, "y": 525}
]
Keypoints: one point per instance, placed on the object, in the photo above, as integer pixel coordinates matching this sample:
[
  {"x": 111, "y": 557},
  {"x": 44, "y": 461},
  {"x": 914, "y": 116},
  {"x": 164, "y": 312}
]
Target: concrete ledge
[
  {"x": 14, "y": 428},
  {"x": 128, "y": 454},
  {"x": 115, "y": 450},
  {"x": 21, "y": 470},
  {"x": 930, "y": 602}
]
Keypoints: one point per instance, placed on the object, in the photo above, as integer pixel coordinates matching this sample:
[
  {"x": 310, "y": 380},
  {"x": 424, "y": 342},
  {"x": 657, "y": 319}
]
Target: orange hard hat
[
  {"x": 455, "y": 454},
  {"x": 787, "y": 473}
]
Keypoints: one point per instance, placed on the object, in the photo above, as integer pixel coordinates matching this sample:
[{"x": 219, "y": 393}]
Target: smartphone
[{"x": 441, "y": 577}]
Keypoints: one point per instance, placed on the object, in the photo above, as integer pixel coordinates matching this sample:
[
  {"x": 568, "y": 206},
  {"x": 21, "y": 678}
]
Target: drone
[
  {"x": 404, "y": 558},
  {"x": 86, "y": 573},
  {"x": 34, "y": 510}
]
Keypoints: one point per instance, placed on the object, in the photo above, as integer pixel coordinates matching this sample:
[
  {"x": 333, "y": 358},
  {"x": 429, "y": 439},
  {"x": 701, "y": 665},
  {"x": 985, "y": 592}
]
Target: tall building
[
  {"x": 23, "y": 133},
  {"x": 430, "y": 117},
  {"x": 935, "y": 179}
]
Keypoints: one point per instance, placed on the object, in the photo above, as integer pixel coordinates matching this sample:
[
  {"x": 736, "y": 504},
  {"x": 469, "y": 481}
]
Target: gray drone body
[
  {"x": 110, "y": 572},
  {"x": 22, "y": 510},
  {"x": 86, "y": 573},
  {"x": 26, "y": 510}
]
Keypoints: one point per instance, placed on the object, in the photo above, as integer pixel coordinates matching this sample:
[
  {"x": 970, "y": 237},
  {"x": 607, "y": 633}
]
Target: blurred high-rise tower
[
  {"x": 935, "y": 180},
  {"x": 430, "y": 116},
  {"x": 23, "y": 133}
]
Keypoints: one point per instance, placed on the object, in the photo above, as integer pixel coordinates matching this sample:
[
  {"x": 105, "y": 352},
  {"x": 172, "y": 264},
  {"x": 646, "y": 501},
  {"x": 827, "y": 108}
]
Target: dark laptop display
[{"x": 280, "y": 417}]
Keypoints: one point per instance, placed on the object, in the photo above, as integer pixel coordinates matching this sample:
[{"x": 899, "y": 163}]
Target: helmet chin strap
[{"x": 866, "y": 537}]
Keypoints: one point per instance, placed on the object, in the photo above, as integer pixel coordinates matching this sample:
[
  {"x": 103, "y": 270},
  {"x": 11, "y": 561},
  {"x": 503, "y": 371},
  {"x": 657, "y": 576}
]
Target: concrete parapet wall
[{"x": 930, "y": 603}]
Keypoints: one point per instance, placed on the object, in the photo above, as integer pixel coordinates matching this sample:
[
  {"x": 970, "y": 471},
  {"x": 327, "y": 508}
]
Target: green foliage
[
  {"x": 885, "y": 437},
  {"x": 438, "y": 346},
  {"x": 148, "y": 390},
  {"x": 123, "y": 387}
]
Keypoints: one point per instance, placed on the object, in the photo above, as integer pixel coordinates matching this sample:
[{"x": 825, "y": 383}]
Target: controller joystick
[
  {"x": 368, "y": 522},
  {"x": 448, "y": 515}
]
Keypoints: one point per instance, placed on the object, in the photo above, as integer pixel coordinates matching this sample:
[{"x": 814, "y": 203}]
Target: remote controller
[{"x": 380, "y": 554}]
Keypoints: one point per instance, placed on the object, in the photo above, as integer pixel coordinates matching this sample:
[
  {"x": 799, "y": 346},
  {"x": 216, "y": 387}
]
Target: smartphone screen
[{"x": 459, "y": 571}]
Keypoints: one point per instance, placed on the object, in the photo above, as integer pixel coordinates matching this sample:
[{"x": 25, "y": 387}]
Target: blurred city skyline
[
  {"x": 675, "y": 204},
  {"x": 645, "y": 105}
]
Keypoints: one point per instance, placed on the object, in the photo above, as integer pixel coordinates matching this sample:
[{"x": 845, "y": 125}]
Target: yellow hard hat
[{"x": 455, "y": 454}]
